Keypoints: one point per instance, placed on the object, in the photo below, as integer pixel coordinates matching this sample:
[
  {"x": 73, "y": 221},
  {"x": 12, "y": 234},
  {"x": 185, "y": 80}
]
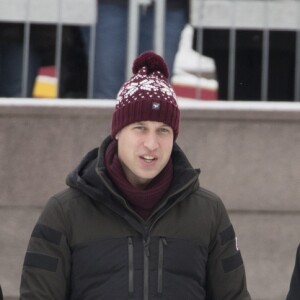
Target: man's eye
[
  {"x": 164, "y": 130},
  {"x": 140, "y": 128}
]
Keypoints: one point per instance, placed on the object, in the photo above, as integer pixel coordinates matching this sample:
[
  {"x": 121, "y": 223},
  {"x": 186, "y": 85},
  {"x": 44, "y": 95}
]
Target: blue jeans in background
[
  {"x": 11, "y": 66},
  {"x": 111, "y": 41}
]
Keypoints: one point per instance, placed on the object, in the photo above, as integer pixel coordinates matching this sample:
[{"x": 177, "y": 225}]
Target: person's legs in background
[
  {"x": 111, "y": 41},
  {"x": 110, "y": 52},
  {"x": 176, "y": 18},
  {"x": 11, "y": 66}
]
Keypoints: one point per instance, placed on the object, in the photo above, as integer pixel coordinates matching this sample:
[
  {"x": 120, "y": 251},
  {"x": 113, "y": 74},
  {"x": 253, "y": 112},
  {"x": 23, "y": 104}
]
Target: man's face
[{"x": 144, "y": 149}]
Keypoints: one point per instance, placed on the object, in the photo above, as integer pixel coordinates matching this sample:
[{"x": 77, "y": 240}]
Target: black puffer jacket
[{"x": 89, "y": 244}]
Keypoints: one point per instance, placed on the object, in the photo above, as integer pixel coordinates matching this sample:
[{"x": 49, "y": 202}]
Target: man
[
  {"x": 294, "y": 292},
  {"x": 134, "y": 223}
]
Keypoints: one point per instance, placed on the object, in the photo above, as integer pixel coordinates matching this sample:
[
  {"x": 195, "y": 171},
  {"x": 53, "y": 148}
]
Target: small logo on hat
[{"x": 155, "y": 106}]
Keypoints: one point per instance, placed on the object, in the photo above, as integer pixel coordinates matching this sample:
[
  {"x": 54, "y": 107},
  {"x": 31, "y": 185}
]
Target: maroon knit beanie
[{"x": 147, "y": 95}]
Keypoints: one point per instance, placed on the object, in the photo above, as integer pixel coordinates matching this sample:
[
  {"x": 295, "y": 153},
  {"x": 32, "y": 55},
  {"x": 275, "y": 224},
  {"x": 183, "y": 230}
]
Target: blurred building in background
[{"x": 251, "y": 47}]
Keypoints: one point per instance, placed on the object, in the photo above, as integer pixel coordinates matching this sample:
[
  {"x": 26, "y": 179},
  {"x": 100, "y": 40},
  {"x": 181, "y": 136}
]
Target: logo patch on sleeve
[{"x": 236, "y": 244}]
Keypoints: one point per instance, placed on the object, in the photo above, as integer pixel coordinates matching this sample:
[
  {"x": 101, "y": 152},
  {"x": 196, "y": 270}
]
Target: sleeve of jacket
[
  {"x": 46, "y": 268},
  {"x": 226, "y": 277},
  {"x": 294, "y": 291}
]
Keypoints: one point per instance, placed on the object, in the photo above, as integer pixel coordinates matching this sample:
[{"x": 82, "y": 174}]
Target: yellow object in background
[{"x": 46, "y": 83}]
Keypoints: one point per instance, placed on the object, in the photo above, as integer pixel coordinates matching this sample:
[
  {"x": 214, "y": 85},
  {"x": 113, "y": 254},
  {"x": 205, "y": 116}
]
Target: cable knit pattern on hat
[{"x": 147, "y": 96}]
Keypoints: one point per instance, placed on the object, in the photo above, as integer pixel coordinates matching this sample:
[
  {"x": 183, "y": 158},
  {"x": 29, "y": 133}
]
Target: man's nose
[{"x": 151, "y": 141}]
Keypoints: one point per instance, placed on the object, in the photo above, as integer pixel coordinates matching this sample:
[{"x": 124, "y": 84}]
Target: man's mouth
[{"x": 148, "y": 158}]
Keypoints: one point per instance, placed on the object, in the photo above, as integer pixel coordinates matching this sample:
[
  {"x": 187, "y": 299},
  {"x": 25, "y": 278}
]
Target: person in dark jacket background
[
  {"x": 134, "y": 222},
  {"x": 294, "y": 292},
  {"x": 1, "y": 295}
]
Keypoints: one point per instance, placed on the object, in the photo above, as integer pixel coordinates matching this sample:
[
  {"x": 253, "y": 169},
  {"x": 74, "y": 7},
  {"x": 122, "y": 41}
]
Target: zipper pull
[
  {"x": 130, "y": 267},
  {"x": 164, "y": 241},
  {"x": 146, "y": 247}
]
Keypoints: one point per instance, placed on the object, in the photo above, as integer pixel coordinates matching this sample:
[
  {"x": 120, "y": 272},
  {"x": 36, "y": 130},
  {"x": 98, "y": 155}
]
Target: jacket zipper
[
  {"x": 146, "y": 242},
  {"x": 162, "y": 243},
  {"x": 146, "y": 267},
  {"x": 130, "y": 267}
]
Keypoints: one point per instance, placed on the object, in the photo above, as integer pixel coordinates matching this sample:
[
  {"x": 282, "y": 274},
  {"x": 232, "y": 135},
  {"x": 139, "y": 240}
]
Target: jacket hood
[{"x": 90, "y": 176}]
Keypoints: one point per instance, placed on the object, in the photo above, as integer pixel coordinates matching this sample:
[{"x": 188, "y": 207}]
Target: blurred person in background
[
  {"x": 11, "y": 61},
  {"x": 1, "y": 295},
  {"x": 294, "y": 292},
  {"x": 112, "y": 35},
  {"x": 41, "y": 53}
]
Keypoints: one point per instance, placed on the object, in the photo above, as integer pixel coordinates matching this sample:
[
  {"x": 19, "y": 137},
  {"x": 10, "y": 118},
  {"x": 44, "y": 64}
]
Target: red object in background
[
  {"x": 49, "y": 71},
  {"x": 193, "y": 92}
]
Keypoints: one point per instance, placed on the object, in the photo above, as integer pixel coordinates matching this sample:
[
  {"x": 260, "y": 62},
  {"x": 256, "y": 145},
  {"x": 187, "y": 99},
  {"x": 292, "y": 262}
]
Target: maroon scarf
[{"x": 142, "y": 201}]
